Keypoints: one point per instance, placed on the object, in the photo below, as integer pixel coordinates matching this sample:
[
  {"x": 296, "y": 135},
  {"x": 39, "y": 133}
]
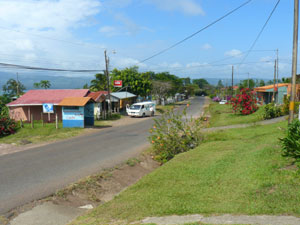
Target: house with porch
[
  {"x": 30, "y": 105},
  {"x": 265, "y": 93}
]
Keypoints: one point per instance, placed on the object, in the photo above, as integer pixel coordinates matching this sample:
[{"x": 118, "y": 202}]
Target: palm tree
[{"x": 45, "y": 84}]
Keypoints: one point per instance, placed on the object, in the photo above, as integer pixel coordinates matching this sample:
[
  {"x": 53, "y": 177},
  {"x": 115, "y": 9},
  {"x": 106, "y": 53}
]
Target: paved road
[{"x": 38, "y": 172}]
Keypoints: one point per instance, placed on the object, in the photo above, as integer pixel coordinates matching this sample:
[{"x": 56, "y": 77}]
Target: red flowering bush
[
  {"x": 245, "y": 102},
  {"x": 7, "y": 126}
]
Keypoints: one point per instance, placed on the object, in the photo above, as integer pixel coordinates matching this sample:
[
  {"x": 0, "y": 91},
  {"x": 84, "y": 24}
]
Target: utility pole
[
  {"x": 277, "y": 75},
  {"x": 274, "y": 86},
  {"x": 108, "y": 81},
  {"x": 294, "y": 65},
  {"x": 232, "y": 81}
]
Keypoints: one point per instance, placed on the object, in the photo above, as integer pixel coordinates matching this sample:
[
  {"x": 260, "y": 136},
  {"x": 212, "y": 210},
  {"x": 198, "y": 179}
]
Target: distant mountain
[{"x": 57, "y": 82}]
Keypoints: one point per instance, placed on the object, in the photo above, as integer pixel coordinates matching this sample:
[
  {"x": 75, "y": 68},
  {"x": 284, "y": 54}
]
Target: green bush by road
[{"x": 238, "y": 171}]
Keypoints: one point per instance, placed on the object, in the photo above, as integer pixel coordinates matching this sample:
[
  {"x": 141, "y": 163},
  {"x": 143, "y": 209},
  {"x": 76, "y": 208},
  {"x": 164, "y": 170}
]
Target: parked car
[
  {"x": 223, "y": 102},
  {"x": 141, "y": 109}
]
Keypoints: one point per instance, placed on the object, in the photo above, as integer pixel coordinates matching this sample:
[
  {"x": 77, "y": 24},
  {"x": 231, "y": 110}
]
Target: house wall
[
  {"x": 24, "y": 112},
  {"x": 73, "y": 117},
  {"x": 18, "y": 113}
]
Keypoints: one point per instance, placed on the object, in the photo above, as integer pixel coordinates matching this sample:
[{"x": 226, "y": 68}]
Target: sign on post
[
  {"x": 118, "y": 83},
  {"x": 48, "y": 108}
]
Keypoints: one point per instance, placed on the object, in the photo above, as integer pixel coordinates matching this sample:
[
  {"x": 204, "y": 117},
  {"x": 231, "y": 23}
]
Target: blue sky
[{"x": 137, "y": 29}]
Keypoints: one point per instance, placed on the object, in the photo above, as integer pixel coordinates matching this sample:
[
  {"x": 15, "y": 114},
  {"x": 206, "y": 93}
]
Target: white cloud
[
  {"x": 196, "y": 64},
  {"x": 233, "y": 53},
  {"x": 23, "y": 24},
  {"x": 189, "y": 7},
  {"x": 206, "y": 46},
  {"x": 109, "y": 31}
]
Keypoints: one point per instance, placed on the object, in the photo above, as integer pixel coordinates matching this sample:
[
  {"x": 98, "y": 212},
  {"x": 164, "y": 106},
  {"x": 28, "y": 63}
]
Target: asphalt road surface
[{"x": 36, "y": 173}]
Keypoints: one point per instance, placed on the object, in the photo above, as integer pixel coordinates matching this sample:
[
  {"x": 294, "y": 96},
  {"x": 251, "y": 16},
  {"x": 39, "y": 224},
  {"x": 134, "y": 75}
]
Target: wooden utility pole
[
  {"x": 294, "y": 65},
  {"x": 274, "y": 86},
  {"x": 108, "y": 81},
  {"x": 232, "y": 80},
  {"x": 277, "y": 75}
]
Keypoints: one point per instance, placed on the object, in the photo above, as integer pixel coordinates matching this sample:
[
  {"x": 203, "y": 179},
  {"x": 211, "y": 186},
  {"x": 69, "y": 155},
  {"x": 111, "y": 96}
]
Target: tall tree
[
  {"x": 201, "y": 83},
  {"x": 45, "y": 84},
  {"x": 13, "y": 88},
  {"x": 137, "y": 83},
  {"x": 220, "y": 84},
  {"x": 161, "y": 89},
  {"x": 244, "y": 83},
  {"x": 99, "y": 83},
  {"x": 42, "y": 84}
]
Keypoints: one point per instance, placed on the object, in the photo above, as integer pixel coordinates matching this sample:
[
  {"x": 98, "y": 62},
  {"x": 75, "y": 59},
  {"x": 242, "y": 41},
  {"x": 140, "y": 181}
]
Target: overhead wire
[
  {"x": 261, "y": 31},
  {"x": 197, "y": 32},
  {"x": 8, "y": 65}
]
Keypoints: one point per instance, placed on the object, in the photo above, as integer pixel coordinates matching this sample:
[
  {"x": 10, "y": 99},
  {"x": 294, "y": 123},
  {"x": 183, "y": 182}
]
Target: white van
[{"x": 141, "y": 109}]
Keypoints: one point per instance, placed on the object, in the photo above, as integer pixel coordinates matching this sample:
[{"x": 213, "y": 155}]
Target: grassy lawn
[
  {"x": 49, "y": 133},
  {"x": 222, "y": 115},
  {"x": 40, "y": 133},
  {"x": 238, "y": 171}
]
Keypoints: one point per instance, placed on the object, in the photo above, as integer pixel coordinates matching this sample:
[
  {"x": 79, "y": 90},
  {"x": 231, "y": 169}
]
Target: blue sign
[{"x": 48, "y": 108}]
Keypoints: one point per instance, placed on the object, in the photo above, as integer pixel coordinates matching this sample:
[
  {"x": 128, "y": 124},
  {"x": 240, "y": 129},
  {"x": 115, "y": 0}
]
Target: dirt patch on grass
[{"x": 103, "y": 187}]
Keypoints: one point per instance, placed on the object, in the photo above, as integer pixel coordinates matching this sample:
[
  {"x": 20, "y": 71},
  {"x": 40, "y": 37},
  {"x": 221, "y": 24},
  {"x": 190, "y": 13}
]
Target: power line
[
  {"x": 192, "y": 35},
  {"x": 7, "y": 65},
  {"x": 261, "y": 31}
]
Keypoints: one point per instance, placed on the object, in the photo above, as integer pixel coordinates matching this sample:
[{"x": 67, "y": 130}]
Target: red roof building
[
  {"x": 30, "y": 105},
  {"x": 98, "y": 96}
]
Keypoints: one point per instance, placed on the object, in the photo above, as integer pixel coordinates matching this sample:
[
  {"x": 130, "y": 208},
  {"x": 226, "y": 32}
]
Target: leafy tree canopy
[
  {"x": 202, "y": 83},
  {"x": 42, "y": 84},
  {"x": 99, "y": 83},
  {"x": 137, "y": 83},
  {"x": 13, "y": 88}
]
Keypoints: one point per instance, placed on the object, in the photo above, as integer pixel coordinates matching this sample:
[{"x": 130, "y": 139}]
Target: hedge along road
[{"x": 37, "y": 173}]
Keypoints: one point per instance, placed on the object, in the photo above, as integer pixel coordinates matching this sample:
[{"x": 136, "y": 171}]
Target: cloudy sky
[{"x": 72, "y": 34}]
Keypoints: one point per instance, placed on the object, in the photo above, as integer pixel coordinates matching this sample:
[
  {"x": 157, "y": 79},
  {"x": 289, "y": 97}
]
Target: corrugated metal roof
[
  {"x": 75, "y": 101},
  {"x": 123, "y": 95},
  {"x": 53, "y": 96},
  {"x": 96, "y": 95},
  {"x": 265, "y": 88}
]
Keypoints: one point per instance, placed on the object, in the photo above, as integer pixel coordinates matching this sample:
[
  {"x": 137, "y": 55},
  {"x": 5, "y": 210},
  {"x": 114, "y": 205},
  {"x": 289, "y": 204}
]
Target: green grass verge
[
  {"x": 40, "y": 133},
  {"x": 222, "y": 115},
  {"x": 238, "y": 171},
  {"x": 48, "y": 132}
]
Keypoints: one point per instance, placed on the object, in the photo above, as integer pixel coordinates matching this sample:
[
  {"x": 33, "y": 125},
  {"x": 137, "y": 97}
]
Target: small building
[
  {"x": 30, "y": 105},
  {"x": 265, "y": 93},
  {"x": 77, "y": 112},
  {"x": 100, "y": 106},
  {"x": 121, "y": 99}
]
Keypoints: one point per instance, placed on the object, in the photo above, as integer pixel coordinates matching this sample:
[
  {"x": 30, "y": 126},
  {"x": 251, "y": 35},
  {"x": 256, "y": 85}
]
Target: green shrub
[
  {"x": 174, "y": 133},
  {"x": 286, "y": 105},
  {"x": 291, "y": 143},
  {"x": 272, "y": 111}
]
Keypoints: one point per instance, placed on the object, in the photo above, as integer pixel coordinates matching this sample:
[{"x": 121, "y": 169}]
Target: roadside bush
[
  {"x": 272, "y": 111},
  {"x": 216, "y": 99},
  {"x": 245, "y": 102},
  {"x": 7, "y": 126},
  {"x": 291, "y": 143},
  {"x": 286, "y": 105},
  {"x": 174, "y": 133}
]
